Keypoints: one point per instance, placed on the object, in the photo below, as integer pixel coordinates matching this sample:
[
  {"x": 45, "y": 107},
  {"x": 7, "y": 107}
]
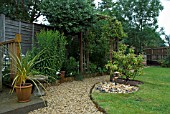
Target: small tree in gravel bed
[{"x": 126, "y": 62}]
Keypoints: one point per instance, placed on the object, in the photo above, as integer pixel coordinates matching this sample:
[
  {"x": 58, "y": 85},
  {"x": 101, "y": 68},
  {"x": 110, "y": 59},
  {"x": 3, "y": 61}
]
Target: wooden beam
[
  {"x": 81, "y": 51},
  {"x": 17, "y": 39},
  {"x": 7, "y": 42}
]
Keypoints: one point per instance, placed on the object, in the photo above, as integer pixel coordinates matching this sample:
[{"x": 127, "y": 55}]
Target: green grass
[{"x": 152, "y": 98}]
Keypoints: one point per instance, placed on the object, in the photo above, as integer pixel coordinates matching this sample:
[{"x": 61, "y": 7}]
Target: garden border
[{"x": 96, "y": 104}]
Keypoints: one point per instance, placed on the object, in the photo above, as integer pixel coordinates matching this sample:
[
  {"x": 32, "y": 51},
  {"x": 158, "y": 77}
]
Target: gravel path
[{"x": 71, "y": 98}]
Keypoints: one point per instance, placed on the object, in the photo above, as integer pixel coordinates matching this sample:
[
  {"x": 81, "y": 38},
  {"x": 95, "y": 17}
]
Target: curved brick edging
[{"x": 96, "y": 104}]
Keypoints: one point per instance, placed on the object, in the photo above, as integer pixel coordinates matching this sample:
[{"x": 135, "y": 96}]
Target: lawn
[{"x": 152, "y": 98}]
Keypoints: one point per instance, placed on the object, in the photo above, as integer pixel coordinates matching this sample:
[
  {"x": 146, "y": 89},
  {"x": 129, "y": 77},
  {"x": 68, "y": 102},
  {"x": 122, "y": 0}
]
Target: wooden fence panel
[
  {"x": 2, "y": 37},
  {"x": 26, "y": 31},
  {"x": 156, "y": 54},
  {"x": 8, "y": 29},
  {"x": 11, "y": 28},
  {"x": 1, "y": 64}
]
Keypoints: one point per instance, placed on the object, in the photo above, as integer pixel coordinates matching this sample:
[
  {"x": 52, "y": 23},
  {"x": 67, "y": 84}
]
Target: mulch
[{"x": 129, "y": 82}]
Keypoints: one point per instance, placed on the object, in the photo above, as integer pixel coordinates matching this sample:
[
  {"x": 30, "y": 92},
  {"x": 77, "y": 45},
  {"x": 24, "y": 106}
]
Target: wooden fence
[
  {"x": 156, "y": 54},
  {"x": 13, "y": 47},
  {"x": 8, "y": 29},
  {"x": 1, "y": 63}
]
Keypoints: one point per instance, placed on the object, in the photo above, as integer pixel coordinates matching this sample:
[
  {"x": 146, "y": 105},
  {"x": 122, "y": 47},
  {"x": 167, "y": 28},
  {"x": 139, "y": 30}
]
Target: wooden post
[
  {"x": 111, "y": 49},
  {"x": 14, "y": 47},
  {"x": 116, "y": 44},
  {"x": 12, "y": 69},
  {"x": 33, "y": 41},
  {"x": 1, "y": 64},
  {"x": 17, "y": 44},
  {"x": 2, "y": 27},
  {"x": 87, "y": 51},
  {"x": 81, "y": 52},
  {"x": 2, "y": 38}
]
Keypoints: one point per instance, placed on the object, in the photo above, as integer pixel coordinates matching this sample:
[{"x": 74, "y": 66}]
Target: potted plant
[{"x": 23, "y": 66}]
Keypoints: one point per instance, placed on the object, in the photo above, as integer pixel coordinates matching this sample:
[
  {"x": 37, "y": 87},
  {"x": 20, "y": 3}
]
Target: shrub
[
  {"x": 166, "y": 61},
  {"x": 93, "y": 68},
  {"x": 102, "y": 70},
  {"x": 126, "y": 62},
  {"x": 71, "y": 67},
  {"x": 52, "y": 59}
]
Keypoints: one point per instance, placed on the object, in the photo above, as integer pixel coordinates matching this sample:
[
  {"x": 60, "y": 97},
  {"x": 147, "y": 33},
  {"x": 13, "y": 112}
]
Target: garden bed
[{"x": 129, "y": 82}]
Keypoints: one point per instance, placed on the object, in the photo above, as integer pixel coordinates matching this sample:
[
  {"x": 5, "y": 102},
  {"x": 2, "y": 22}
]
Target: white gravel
[{"x": 71, "y": 98}]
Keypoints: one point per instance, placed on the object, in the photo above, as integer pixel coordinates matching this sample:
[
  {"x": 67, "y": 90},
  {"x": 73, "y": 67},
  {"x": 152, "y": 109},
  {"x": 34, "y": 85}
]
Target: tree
[
  {"x": 70, "y": 17},
  {"x": 105, "y": 7},
  {"x": 114, "y": 32},
  {"x": 126, "y": 62},
  {"x": 137, "y": 15},
  {"x": 167, "y": 38},
  {"x": 25, "y": 10},
  {"x": 97, "y": 46}
]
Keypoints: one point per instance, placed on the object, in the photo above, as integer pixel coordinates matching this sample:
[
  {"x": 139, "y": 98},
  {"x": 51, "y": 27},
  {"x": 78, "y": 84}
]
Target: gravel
[
  {"x": 71, "y": 98},
  {"x": 111, "y": 87}
]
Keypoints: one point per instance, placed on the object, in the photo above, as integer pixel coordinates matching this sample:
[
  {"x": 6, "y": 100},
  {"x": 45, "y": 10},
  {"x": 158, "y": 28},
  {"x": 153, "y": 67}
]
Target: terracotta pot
[
  {"x": 24, "y": 92},
  {"x": 62, "y": 76}
]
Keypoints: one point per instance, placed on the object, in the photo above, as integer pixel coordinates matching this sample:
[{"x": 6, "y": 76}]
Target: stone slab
[
  {"x": 9, "y": 104},
  {"x": 13, "y": 107}
]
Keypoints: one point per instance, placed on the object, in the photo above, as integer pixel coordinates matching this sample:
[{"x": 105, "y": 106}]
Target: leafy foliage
[
  {"x": 99, "y": 36},
  {"x": 98, "y": 45},
  {"x": 24, "y": 68},
  {"x": 113, "y": 29},
  {"x": 166, "y": 61},
  {"x": 105, "y": 7},
  {"x": 139, "y": 20},
  {"x": 71, "y": 66},
  {"x": 167, "y": 38},
  {"x": 52, "y": 59},
  {"x": 69, "y": 16},
  {"x": 137, "y": 16},
  {"x": 126, "y": 62},
  {"x": 25, "y": 10}
]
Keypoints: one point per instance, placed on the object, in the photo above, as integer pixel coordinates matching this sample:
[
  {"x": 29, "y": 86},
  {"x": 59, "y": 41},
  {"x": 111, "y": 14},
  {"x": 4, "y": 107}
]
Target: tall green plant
[
  {"x": 24, "y": 68},
  {"x": 54, "y": 55},
  {"x": 126, "y": 62}
]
